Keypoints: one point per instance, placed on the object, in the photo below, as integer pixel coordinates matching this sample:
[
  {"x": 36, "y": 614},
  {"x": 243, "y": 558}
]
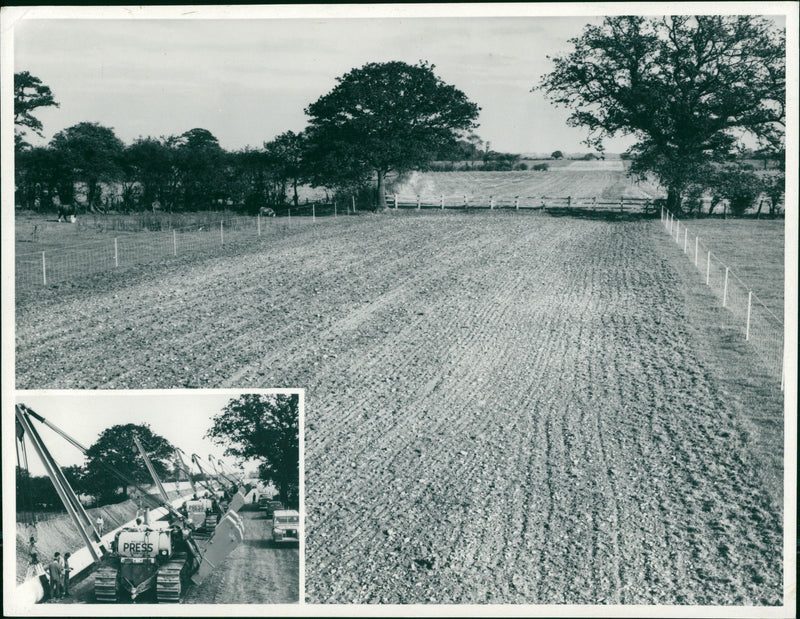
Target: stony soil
[{"x": 501, "y": 407}]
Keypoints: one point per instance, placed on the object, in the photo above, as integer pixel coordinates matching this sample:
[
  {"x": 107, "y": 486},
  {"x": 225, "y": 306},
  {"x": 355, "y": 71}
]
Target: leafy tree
[
  {"x": 116, "y": 447},
  {"x": 686, "y": 87},
  {"x": 256, "y": 182},
  {"x": 200, "y": 162},
  {"x": 286, "y": 153},
  {"x": 557, "y": 154},
  {"x": 41, "y": 175},
  {"x": 93, "y": 155},
  {"x": 774, "y": 186},
  {"x": 263, "y": 428},
  {"x": 738, "y": 185},
  {"x": 29, "y": 94},
  {"x": 151, "y": 163},
  {"x": 384, "y": 117}
]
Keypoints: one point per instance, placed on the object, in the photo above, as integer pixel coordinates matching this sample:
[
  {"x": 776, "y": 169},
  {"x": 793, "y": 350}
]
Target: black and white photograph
[
  {"x": 137, "y": 497},
  {"x": 533, "y": 267}
]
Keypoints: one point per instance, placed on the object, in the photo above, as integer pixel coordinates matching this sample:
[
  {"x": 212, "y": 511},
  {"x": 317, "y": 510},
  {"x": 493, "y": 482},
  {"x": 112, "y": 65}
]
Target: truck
[{"x": 286, "y": 526}]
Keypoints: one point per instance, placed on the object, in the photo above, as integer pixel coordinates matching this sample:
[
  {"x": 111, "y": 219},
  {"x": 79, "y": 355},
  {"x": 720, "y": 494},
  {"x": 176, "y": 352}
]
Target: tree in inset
[{"x": 265, "y": 428}]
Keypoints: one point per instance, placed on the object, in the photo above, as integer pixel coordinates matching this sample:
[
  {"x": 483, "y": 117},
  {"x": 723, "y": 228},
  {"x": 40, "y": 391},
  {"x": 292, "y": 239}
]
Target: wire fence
[
  {"x": 157, "y": 239},
  {"x": 33, "y": 270},
  {"x": 759, "y": 325}
]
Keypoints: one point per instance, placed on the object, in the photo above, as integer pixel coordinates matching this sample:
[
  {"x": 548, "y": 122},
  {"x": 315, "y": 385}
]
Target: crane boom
[{"x": 65, "y": 492}]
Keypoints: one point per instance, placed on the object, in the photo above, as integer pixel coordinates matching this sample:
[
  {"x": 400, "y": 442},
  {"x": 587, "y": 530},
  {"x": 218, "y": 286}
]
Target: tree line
[
  {"x": 688, "y": 89},
  {"x": 378, "y": 119}
]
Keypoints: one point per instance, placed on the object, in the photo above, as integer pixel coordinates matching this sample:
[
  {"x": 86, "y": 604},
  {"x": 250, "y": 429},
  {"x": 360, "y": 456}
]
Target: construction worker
[
  {"x": 67, "y": 570},
  {"x": 56, "y": 576}
]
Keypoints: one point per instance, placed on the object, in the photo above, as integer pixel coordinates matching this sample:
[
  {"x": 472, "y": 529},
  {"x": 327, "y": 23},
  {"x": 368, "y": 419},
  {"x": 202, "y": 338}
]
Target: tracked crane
[{"x": 163, "y": 554}]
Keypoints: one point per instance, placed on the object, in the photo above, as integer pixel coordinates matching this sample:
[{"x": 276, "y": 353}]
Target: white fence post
[
  {"x": 290, "y": 214},
  {"x": 725, "y": 289},
  {"x": 44, "y": 270},
  {"x": 354, "y": 203},
  {"x": 708, "y": 267},
  {"x": 334, "y": 210},
  {"x": 116, "y": 253},
  {"x": 749, "y": 304},
  {"x": 491, "y": 202},
  {"x": 685, "y": 239},
  {"x": 221, "y": 234},
  {"x": 313, "y": 213},
  {"x": 174, "y": 243},
  {"x": 516, "y": 203},
  {"x": 259, "y": 224},
  {"x": 395, "y": 201},
  {"x": 465, "y": 201},
  {"x": 419, "y": 203},
  {"x": 441, "y": 200},
  {"x": 621, "y": 204},
  {"x": 696, "y": 244}
]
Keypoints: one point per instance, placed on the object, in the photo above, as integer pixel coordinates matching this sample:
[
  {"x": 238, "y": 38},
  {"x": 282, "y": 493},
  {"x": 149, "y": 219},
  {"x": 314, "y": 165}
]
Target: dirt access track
[
  {"x": 501, "y": 407},
  {"x": 257, "y": 572}
]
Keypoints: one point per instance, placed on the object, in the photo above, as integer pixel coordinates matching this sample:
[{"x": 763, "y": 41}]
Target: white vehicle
[{"x": 286, "y": 526}]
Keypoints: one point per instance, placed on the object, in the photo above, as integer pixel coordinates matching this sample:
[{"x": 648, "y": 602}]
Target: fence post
[
  {"x": 354, "y": 204},
  {"x": 441, "y": 200},
  {"x": 725, "y": 289},
  {"x": 116, "y": 253},
  {"x": 174, "y": 243},
  {"x": 569, "y": 201},
  {"x": 44, "y": 270},
  {"x": 708, "y": 267},
  {"x": 662, "y": 213},
  {"x": 685, "y": 239},
  {"x": 621, "y": 204},
  {"x": 465, "y": 201},
  {"x": 313, "y": 213},
  {"x": 419, "y": 203},
  {"x": 516, "y": 202},
  {"x": 395, "y": 201},
  {"x": 696, "y": 248},
  {"x": 221, "y": 234},
  {"x": 258, "y": 219},
  {"x": 749, "y": 304},
  {"x": 491, "y": 202},
  {"x": 334, "y": 209},
  {"x": 594, "y": 203}
]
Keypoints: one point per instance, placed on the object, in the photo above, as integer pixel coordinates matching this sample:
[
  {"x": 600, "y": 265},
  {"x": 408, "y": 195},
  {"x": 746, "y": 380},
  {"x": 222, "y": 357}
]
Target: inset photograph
[{"x": 145, "y": 497}]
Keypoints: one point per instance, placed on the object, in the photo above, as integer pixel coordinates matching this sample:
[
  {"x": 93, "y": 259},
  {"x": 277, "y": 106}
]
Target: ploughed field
[{"x": 501, "y": 407}]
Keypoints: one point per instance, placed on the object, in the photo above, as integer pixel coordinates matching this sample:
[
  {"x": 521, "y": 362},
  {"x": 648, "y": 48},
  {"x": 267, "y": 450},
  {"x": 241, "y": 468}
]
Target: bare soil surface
[
  {"x": 257, "y": 572},
  {"x": 500, "y": 408}
]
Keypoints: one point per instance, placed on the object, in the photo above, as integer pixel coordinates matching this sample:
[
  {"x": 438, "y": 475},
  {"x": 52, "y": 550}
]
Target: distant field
[{"x": 605, "y": 180}]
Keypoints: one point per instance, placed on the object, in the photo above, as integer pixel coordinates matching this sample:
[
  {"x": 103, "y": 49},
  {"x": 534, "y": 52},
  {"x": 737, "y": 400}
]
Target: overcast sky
[
  {"x": 246, "y": 81},
  {"x": 182, "y": 418}
]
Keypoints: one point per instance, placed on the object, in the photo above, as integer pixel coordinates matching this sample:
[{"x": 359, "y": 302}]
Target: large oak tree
[
  {"x": 116, "y": 448},
  {"x": 384, "y": 117},
  {"x": 687, "y": 88}
]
